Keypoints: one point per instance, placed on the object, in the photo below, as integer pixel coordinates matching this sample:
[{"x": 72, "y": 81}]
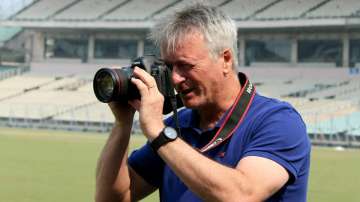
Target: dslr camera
[{"x": 115, "y": 85}]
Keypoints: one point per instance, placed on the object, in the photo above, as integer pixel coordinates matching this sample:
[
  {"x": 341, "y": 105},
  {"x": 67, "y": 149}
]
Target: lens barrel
[
  {"x": 105, "y": 85},
  {"x": 114, "y": 85}
]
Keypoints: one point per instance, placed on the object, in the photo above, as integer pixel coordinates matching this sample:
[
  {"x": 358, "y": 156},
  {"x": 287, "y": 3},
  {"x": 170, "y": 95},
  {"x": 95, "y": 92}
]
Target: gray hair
[{"x": 218, "y": 29}]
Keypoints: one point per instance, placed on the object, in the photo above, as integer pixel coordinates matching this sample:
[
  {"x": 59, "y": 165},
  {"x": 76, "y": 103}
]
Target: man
[{"x": 264, "y": 156}]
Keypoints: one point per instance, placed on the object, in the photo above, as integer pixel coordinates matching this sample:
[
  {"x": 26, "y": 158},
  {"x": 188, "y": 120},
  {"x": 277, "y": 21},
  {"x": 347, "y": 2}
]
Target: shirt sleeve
[
  {"x": 147, "y": 164},
  {"x": 281, "y": 136}
]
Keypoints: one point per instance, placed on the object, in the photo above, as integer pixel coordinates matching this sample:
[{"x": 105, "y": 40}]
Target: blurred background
[{"x": 306, "y": 52}]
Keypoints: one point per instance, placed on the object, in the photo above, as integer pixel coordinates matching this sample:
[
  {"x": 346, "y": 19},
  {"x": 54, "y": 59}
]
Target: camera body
[{"x": 115, "y": 84}]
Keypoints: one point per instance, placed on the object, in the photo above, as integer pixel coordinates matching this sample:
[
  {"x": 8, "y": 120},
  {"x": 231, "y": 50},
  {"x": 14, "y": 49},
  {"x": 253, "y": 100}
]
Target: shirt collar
[{"x": 192, "y": 120}]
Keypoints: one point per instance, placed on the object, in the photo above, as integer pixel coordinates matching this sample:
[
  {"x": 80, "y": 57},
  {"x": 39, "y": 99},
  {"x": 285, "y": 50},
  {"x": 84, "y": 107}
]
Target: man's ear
[{"x": 228, "y": 61}]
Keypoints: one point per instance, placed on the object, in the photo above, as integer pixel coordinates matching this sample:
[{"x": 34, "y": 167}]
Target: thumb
[{"x": 135, "y": 104}]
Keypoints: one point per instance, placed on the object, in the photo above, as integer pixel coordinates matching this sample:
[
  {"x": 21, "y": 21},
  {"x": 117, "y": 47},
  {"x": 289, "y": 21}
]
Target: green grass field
[{"x": 42, "y": 166}]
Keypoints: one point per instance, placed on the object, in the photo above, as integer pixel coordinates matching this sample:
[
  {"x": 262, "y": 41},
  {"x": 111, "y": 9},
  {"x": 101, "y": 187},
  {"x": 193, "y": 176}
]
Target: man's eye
[
  {"x": 186, "y": 66},
  {"x": 179, "y": 66}
]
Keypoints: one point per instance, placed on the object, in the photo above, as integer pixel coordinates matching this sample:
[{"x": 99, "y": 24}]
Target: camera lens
[{"x": 105, "y": 85}]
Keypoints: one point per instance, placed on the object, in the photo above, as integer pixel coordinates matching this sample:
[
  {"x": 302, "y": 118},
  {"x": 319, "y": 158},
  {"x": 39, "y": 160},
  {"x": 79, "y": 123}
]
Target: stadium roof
[
  {"x": 6, "y": 33},
  {"x": 142, "y": 14}
]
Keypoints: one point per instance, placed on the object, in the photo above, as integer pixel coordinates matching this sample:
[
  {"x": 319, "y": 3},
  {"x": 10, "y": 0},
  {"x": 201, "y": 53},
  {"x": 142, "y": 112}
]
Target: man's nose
[{"x": 177, "y": 76}]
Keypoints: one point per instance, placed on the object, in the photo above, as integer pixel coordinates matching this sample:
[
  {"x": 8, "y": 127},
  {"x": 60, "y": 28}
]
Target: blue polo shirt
[{"x": 271, "y": 129}]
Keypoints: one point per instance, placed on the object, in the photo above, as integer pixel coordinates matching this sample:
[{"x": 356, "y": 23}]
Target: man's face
[{"x": 197, "y": 75}]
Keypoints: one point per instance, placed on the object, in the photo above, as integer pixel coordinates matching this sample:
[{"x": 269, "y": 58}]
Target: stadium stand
[
  {"x": 288, "y": 9},
  {"x": 356, "y": 133},
  {"x": 56, "y": 69},
  {"x": 95, "y": 112},
  {"x": 41, "y": 10},
  {"x": 335, "y": 8},
  {"x": 10, "y": 71},
  {"x": 339, "y": 130},
  {"x": 80, "y": 11},
  {"x": 7, "y": 33},
  {"x": 24, "y": 83},
  {"x": 67, "y": 83},
  {"x": 242, "y": 9},
  {"x": 137, "y": 10},
  {"x": 123, "y": 10},
  {"x": 179, "y": 5},
  {"x": 341, "y": 90},
  {"x": 329, "y": 104}
]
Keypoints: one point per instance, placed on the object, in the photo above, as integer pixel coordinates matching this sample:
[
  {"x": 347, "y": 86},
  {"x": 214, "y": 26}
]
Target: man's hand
[
  {"x": 123, "y": 112},
  {"x": 151, "y": 104}
]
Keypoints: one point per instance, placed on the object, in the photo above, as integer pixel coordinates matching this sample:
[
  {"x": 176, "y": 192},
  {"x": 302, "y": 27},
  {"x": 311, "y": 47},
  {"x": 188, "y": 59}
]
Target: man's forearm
[
  {"x": 208, "y": 179},
  {"x": 112, "y": 166}
]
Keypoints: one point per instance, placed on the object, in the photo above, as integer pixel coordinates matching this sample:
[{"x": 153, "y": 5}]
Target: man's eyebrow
[{"x": 171, "y": 61}]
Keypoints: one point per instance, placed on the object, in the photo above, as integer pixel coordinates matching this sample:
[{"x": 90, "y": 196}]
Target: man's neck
[{"x": 212, "y": 113}]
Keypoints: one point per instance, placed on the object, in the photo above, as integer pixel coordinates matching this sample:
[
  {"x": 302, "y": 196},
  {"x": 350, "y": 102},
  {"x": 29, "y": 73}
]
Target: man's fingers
[
  {"x": 135, "y": 104},
  {"x": 145, "y": 77},
  {"x": 143, "y": 89}
]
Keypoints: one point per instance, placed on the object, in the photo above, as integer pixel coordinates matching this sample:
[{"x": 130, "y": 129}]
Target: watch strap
[{"x": 160, "y": 140}]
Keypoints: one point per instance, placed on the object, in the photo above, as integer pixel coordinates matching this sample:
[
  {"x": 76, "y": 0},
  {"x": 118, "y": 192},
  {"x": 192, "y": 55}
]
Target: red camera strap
[{"x": 236, "y": 114}]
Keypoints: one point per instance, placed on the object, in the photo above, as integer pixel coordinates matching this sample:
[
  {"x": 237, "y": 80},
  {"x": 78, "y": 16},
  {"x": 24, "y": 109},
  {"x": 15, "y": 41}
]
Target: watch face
[{"x": 170, "y": 132}]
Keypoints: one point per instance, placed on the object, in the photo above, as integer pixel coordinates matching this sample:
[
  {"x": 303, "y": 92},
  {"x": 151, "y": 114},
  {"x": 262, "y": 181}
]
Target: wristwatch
[{"x": 168, "y": 134}]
